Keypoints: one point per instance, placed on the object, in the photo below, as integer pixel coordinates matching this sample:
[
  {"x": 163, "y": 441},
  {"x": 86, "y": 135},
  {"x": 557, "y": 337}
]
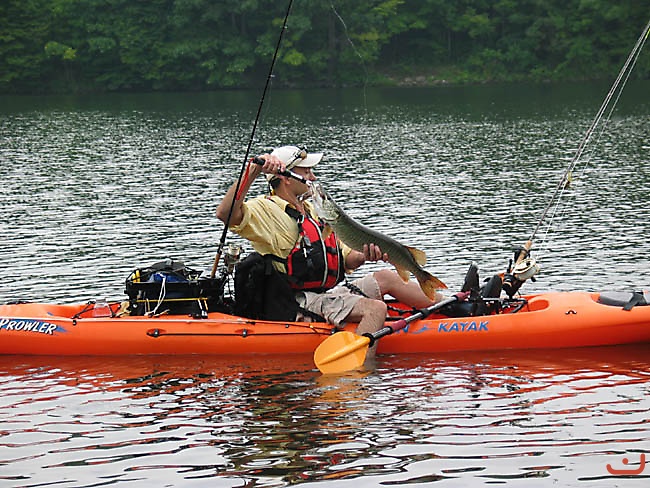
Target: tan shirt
[{"x": 269, "y": 228}]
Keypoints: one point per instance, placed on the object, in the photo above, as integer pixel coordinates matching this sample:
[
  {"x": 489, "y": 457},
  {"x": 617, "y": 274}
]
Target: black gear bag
[
  {"x": 170, "y": 287},
  {"x": 261, "y": 291}
]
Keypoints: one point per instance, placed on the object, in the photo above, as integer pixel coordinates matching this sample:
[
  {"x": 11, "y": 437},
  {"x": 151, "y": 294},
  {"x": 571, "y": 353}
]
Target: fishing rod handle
[
  {"x": 288, "y": 173},
  {"x": 524, "y": 252}
]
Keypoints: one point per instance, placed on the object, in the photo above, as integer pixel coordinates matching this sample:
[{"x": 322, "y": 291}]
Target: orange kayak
[{"x": 540, "y": 321}]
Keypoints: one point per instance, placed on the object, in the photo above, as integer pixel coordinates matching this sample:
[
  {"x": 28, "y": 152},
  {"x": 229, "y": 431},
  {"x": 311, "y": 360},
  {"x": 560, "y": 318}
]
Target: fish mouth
[
  {"x": 322, "y": 201},
  {"x": 317, "y": 191}
]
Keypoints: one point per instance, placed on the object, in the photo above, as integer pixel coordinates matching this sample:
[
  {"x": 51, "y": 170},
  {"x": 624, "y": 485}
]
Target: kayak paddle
[{"x": 344, "y": 350}]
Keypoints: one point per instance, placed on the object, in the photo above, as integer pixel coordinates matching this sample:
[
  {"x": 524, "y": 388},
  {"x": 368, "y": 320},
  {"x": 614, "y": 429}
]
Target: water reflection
[
  {"x": 233, "y": 419},
  {"x": 467, "y": 416}
]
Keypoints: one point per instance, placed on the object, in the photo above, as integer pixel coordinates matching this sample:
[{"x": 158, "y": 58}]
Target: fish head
[{"x": 323, "y": 203}]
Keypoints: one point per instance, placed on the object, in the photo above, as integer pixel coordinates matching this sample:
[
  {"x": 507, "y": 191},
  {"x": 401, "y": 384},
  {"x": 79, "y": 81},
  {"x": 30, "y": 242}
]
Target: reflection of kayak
[
  {"x": 630, "y": 361},
  {"x": 132, "y": 372},
  {"x": 546, "y": 320},
  {"x": 499, "y": 373}
]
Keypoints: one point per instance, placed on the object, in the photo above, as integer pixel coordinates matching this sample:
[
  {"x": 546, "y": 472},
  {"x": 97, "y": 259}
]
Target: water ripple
[
  {"x": 96, "y": 187},
  {"x": 497, "y": 416}
]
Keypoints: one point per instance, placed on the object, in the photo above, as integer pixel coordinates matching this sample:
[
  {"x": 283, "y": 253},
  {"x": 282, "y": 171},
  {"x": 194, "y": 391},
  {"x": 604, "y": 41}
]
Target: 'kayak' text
[{"x": 462, "y": 326}]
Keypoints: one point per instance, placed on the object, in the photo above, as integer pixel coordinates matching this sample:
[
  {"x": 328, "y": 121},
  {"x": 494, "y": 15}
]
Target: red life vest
[{"x": 314, "y": 263}]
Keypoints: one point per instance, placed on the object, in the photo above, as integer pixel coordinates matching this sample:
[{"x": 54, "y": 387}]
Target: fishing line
[
  {"x": 614, "y": 93},
  {"x": 356, "y": 51},
  {"x": 222, "y": 241},
  {"x": 587, "y": 162}
]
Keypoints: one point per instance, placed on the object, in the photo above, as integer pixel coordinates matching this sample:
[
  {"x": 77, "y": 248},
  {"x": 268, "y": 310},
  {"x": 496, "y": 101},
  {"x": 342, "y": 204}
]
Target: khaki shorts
[{"x": 336, "y": 304}]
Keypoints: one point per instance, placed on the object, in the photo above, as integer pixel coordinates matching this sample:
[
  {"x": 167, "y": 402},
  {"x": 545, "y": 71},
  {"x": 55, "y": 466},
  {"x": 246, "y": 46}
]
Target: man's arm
[{"x": 252, "y": 171}]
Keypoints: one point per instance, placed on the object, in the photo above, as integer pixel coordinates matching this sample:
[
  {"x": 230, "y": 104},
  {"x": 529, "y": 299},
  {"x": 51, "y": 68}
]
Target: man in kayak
[{"x": 285, "y": 225}]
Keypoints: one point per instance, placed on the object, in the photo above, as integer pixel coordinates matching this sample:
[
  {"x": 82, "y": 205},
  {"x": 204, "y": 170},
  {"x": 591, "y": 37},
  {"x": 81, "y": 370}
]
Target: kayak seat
[{"x": 627, "y": 300}]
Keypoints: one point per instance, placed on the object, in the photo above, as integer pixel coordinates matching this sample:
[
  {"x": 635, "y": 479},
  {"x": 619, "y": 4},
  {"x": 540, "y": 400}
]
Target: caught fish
[{"x": 407, "y": 260}]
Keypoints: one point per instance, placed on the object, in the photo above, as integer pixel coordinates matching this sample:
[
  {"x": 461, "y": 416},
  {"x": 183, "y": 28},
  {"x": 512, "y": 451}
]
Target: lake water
[{"x": 94, "y": 187}]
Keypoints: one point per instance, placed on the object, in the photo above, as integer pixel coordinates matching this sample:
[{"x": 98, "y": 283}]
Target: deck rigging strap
[
  {"x": 607, "y": 106},
  {"x": 222, "y": 241}
]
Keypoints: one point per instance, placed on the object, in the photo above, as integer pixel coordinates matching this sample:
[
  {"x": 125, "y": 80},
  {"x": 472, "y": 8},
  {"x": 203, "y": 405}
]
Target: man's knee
[
  {"x": 377, "y": 307},
  {"x": 369, "y": 308},
  {"x": 386, "y": 279}
]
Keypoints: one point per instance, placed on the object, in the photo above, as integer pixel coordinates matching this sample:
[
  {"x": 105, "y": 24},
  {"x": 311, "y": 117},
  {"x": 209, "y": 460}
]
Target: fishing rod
[
  {"x": 222, "y": 241},
  {"x": 287, "y": 172},
  {"x": 525, "y": 266}
]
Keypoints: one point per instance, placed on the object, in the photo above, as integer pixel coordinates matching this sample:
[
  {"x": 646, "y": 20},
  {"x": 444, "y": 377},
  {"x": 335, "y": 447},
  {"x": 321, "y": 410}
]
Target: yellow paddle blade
[{"x": 340, "y": 352}]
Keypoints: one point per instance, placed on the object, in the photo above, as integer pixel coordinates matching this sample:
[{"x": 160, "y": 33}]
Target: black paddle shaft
[{"x": 400, "y": 324}]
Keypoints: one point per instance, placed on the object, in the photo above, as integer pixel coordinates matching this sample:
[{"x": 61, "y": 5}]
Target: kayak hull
[{"x": 547, "y": 320}]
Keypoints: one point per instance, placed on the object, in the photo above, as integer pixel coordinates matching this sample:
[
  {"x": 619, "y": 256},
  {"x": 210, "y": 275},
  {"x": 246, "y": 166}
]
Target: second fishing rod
[{"x": 524, "y": 266}]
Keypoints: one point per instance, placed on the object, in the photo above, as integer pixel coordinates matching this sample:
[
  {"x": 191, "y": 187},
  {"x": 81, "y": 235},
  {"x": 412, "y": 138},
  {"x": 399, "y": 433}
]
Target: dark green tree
[{"x": 122, "y": 45}]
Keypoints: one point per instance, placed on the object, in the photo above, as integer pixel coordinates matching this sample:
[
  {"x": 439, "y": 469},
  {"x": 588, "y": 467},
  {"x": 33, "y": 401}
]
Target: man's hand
[
  {"x": 372, "y": 252},
  {"x": 272, "y": 164}
]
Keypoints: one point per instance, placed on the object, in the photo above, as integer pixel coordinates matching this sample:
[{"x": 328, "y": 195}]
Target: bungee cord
[
  {"x": 222, "y": 241},
  {"x": 607, "y": 106}
]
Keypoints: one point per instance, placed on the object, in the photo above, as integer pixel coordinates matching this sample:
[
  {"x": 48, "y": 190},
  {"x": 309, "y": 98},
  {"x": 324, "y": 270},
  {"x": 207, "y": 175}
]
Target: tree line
[{"x": 77, "y": 46}]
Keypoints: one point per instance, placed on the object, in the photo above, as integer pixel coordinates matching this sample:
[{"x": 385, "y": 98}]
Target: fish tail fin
[
  {"x": 419, "y": 256},
  {"x": 430, "y": 284}
]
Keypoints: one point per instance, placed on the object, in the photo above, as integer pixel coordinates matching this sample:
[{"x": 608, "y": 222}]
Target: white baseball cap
[{"x": 294, "y": 157}]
